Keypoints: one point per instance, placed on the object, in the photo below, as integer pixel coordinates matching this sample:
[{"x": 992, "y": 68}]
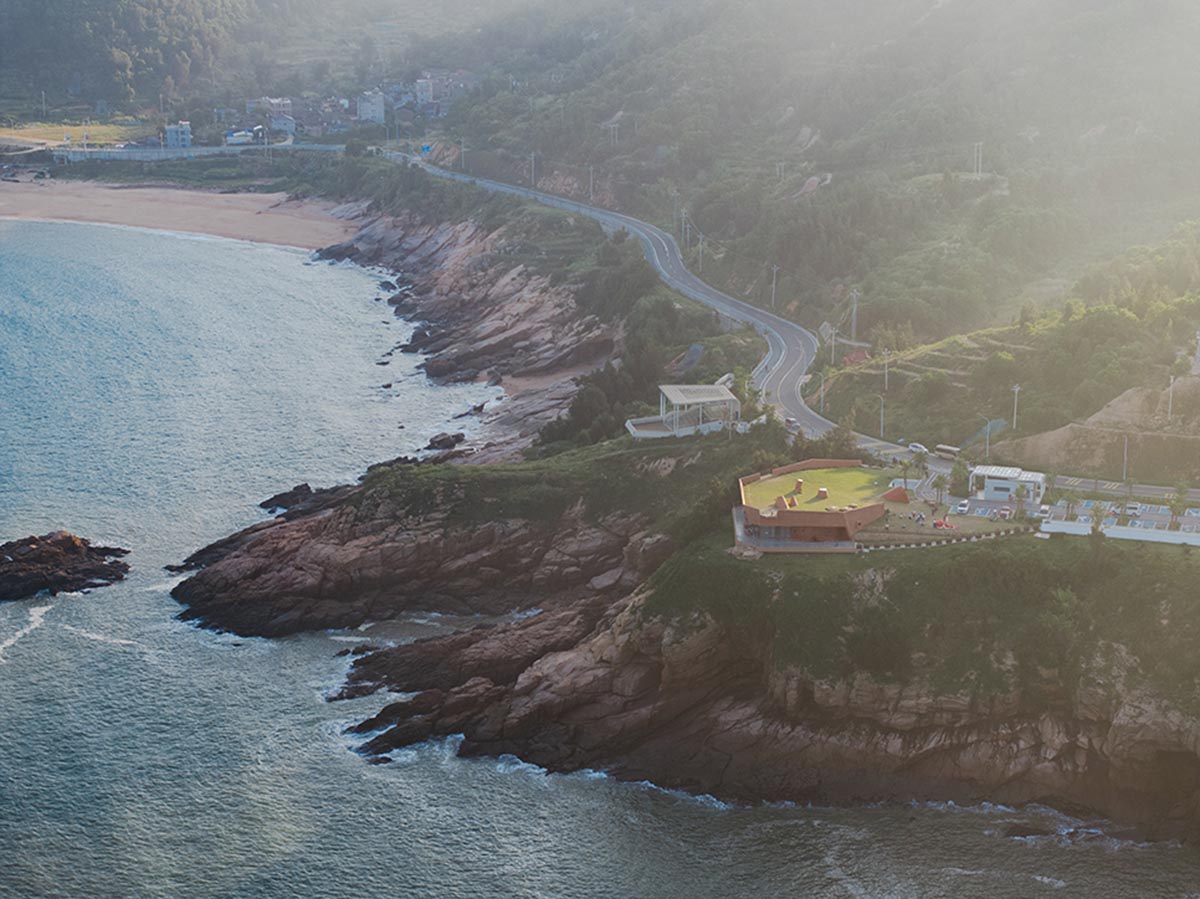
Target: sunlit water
[{"x": 153, "y": 388}]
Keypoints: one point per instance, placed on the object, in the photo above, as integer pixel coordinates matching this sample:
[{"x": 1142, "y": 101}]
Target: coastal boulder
[{"x": 56, "y": 563}]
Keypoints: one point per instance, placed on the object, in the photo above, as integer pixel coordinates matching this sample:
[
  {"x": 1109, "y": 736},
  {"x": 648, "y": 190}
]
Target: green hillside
[
  {"x": 838, "y": 141},
  {"x": 1130, "y": 323}
]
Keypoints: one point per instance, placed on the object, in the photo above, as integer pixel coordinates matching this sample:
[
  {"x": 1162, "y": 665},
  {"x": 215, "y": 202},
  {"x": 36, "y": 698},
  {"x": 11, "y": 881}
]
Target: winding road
[{"x": 790, "y": 348}]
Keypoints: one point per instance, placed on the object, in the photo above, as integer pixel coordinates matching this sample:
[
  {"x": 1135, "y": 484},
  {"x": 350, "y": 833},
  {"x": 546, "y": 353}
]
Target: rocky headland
[
  {"x": 58, "y": 562},
  {"x": 757, "y": 680},
  {"x": 364, "y": 553}
]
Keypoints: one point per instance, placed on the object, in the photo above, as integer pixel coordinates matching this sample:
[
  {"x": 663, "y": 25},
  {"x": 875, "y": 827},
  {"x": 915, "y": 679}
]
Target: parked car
[
  {"x": 1044, "y": 511},
  {"x": 1133, "y": 510},
  {"x": 1006, "y": 512},
  {"x": 918, "y": 448},
  {"x": 963, "y": 508}
]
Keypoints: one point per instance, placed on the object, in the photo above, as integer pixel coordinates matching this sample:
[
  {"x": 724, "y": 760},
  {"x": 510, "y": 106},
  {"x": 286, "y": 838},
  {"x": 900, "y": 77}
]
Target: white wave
[
  {"x": 101, "y": 638},
  {"x": 699, "y": 798},
  {"x": 1052, "y": 882},
  {"x": 37, "y": 615},
  {"x": 980, "y": 808},
  {"x": 590, "y": 774},
  {"x": 165, "y": 586},
  {"x": 510, "y": 764}
]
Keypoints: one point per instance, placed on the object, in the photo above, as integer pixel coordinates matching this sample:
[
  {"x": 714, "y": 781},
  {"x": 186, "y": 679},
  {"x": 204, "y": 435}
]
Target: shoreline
[{"x": 264, "y": 218}]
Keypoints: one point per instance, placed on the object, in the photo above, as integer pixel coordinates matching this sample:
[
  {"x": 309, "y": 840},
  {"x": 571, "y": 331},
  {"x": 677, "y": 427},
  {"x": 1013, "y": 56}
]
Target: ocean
[{"x": 153, "y": 389}]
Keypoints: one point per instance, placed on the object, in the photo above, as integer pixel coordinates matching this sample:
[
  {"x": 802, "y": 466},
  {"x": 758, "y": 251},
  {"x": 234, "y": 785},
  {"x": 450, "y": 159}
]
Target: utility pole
[
  {"x": 591, "y": 183},
  {"x": 687, "y": 229},
  {"x": 702, "y": 254},
  {"x": 854, "y": 314},
  {"x": 532, "y": 172},
  {"x": 832, "y": 346},
  {"x": 44, "y": 105},
  {"x": 774, "y": 283},
  {"x": 1125, "y": 462},
  {"x": 987, "y": 437},
  {"x": 1171, "y": 398},
  {"x": 978, "y": 158},
  {"x": 675, "y": 212},
  {"x": 880, "y": 395},
  {"x": 1016, "y": 393},
  {"x": 886, "y": 353}
]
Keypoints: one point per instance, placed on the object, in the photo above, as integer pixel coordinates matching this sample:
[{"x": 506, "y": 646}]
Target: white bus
[{"x": 945, "y": 451}]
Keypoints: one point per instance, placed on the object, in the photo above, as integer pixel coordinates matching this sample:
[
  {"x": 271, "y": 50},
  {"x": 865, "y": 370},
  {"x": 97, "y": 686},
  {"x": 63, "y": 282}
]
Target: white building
[
  {"x": 686, "y": 409},
  {"x": 424, "y": 91},
  {"x": 178, "y": 137},
  {"x": 272, "y": 105},
  {"x": 999, "y": 483},
  {"x": 283, "y": 123},
  {"x": 371, "y": 107}
]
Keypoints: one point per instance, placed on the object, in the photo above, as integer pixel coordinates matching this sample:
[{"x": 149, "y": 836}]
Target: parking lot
[{"x": 1151, "y": 517}]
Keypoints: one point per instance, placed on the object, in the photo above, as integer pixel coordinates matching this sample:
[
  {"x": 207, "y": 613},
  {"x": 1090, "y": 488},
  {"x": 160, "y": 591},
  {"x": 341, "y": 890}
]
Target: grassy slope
[
  {"x": 1068, "y": 364},
  {"x": 682, "y": 487}
]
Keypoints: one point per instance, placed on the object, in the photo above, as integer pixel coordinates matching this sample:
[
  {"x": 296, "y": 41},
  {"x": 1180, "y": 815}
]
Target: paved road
[{"x": 791, "y": 348}]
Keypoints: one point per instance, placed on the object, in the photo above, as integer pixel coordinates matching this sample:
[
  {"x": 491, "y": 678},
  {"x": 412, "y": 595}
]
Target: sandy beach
[{"x": 266, "y": 218}]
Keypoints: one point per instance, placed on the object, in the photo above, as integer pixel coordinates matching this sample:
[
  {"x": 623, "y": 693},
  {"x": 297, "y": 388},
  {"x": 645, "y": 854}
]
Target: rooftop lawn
[{"x": 846, "y": 486}]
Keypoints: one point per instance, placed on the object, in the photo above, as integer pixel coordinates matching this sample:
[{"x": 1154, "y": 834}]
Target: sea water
[{"x": 154, "y": 388}]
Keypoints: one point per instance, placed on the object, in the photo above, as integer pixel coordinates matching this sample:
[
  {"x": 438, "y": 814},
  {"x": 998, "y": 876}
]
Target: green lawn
[
  {"x": 97, "y": 133},
  {"x": 846, "y": 486}
]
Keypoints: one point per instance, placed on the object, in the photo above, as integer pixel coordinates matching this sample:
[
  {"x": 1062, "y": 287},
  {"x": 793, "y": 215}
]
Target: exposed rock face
[
  {"x": 288, "y": 499},
  {"x": 57, "y": 562},
  {"x": 364, "y": 557},
  {"x": 703, "y": 707},
  {"x": 483, "y": 316}
]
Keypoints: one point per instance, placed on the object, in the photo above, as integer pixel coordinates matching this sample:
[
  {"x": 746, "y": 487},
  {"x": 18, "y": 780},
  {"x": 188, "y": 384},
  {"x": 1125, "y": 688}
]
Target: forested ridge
[{"x": 838, "y": 140}]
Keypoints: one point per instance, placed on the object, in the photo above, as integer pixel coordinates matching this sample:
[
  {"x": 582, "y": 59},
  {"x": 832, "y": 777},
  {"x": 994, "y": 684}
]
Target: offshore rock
[{"x": 56, "y": 563}]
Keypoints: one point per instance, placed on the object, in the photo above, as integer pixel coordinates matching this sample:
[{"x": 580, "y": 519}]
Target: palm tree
[
  {"x": 1022, "y": 492},
  {"x": 1071, "y": 497},
  {"x": 905, "y": 469},
  {"x": 921, "y": 460},
  {"x": 939, "y": 484}
]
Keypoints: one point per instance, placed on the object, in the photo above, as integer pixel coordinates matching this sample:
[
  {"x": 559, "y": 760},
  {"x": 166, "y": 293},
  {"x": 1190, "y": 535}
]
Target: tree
[
  {"x": 906, "y": 466},
  {"x": 939, "y": 484},
  {"x": 1071, "y": 497},
  {"x": 960, "y": 479},
  {"x": 1179, "y": 503},
  {"x": 1021, "y": 494},
  {"x": 921, "y": 462}
]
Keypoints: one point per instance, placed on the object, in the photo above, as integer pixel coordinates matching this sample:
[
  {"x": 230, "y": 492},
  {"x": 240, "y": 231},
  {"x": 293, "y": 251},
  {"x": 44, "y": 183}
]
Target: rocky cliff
[
  {"x": 704, "y": 707},
  {"x": 486, "y": 311},
  {"x": 365, "y": 555}
]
